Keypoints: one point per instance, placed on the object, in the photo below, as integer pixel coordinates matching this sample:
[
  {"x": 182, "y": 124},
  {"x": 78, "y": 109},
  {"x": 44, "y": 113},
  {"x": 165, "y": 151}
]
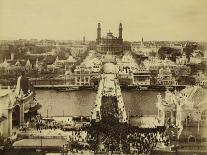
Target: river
[{"x": 81, "y": 103}]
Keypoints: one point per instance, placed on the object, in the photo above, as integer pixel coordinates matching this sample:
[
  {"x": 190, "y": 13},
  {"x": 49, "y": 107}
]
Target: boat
[
  {"x": 142, "y": 88},
  {"x": 169, "y": 87},
  {"x": 67, "y": 89}
]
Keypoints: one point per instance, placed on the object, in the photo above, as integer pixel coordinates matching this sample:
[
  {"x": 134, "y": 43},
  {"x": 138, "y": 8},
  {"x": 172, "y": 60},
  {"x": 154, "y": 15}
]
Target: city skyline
[{"x": 71, "y": 20}]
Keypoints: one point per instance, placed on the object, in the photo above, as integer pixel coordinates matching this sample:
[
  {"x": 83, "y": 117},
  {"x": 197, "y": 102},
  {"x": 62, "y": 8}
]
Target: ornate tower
[
  {"x": 98, "y": 33},
  {"x": 84, "y": 39},
  {"x": 120, "y": 31}
]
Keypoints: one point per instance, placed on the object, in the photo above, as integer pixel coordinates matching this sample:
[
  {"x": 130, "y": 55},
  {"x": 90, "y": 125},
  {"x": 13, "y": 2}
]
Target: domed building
[{"x": 110, "y": 42}]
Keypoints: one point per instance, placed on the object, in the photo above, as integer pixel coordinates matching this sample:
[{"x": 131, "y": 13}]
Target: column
[
  {"x": 21, "y": 113},
  {"x": 172, "y": 117},
  {"x": 9, "y": 122}
]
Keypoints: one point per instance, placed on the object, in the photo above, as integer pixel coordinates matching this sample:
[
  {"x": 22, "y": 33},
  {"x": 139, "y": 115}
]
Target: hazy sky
[{"x": 73, "y": 19}]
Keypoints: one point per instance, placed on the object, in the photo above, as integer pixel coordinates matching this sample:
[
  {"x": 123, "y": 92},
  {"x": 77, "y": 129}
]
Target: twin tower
[{"x": 98, "y": 39}]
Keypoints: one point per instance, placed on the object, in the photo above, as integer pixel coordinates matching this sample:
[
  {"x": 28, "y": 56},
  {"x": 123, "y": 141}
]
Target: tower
[
  {"x": 12, "y": 56},
  {"x": 142, "y": 43},
  {"x": 98, "y": 33},
  {"x": 84, "y": 39},
  {"x": 120, "y": 31}
]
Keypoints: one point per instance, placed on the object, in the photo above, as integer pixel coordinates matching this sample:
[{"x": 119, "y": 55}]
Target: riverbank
[{"x": 128, "y": 87}]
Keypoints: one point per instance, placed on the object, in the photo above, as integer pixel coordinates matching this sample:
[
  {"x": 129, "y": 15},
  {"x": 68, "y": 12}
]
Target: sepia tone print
[{"x": 103, "y": 77}]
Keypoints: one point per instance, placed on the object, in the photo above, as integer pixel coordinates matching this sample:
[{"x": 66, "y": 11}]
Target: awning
[
  {"x": 2, "y": 117},
  {"x": 39, "y": 143}
]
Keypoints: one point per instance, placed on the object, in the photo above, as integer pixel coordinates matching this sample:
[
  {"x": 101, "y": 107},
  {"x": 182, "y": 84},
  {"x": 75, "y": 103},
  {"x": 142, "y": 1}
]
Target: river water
[{"x": 81, "y": 103}]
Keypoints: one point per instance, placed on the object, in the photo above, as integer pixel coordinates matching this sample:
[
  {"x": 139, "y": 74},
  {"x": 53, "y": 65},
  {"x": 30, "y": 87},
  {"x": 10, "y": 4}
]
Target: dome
[
  {"x": 71, "y": 59},
  {"x": 109, "y": 68}
]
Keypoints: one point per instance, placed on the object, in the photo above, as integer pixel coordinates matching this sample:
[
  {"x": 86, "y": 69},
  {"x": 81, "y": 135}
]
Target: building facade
[
  {"x": 185, "y": 112},
  {"x": 110, "y": 42},
  {"x": 82, "y": 75},
  {"x": 6, "y": 105}
]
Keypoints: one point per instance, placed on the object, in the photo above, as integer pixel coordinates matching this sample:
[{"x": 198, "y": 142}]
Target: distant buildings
[
  {"x": 195, "y": 58},
  {"x": 88, "y": 71},
  {"x": 144, "y": 49},
  {"x": 201, "y": 79},
  {"x": 165, "y": 77},
  {"x": 141, "y": 76},
  {"x": 129, "y": 69},
  {"x": 82, "y": 75},
  {"x": 181, "y": 60},
  {"x": 126, "y": 65}
]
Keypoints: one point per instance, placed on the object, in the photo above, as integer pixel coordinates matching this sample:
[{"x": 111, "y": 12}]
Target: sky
[{"x": 73, "y": 19}]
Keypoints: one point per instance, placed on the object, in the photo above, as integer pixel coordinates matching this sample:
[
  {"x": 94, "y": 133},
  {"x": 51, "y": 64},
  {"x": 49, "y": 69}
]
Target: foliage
[
  {"x": 188, "y": 50},
  {"x": 169, "y": 52},
  {"x": 5, "y": 142}
]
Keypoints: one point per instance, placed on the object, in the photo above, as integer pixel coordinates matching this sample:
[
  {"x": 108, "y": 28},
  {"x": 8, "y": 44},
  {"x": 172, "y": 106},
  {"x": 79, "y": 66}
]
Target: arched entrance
[
  {"x": 204, "y": 115},
  {"x": 168, "y": 117},
  {"x": 16, "y": 116},
  {"x": 191, "y": 139}
]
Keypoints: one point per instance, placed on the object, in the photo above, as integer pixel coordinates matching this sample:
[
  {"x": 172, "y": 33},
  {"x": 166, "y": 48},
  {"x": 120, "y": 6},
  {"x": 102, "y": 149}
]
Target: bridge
[{"x": 109, "y": 101}]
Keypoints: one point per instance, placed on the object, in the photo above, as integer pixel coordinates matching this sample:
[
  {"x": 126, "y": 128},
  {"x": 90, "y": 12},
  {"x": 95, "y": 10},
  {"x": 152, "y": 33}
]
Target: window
[
  {"x": 204, "y": 115},
  {"x": 204, "y": 139},
  {"x": 191, "y": 139}
]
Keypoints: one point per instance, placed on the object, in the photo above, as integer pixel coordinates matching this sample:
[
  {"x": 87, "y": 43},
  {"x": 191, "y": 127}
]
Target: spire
[
  {"x": 12, "y": 56},
  {"x": 142, "y": 43},
  {"x": 5, "y": 61},
  {"x": 57, "y": 58},
  {"x": 120, "y": 30},
  {"x": 98, "y": 33},
  {"x": 28, "y": 63},
  {"x": 37, "y": 63},
  {"x": 84, "y": 39}
]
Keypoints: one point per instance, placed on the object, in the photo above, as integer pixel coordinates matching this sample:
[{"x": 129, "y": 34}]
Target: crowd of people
[
  {"x": 145, "y": 140},
  {"x": 127, "y": 139},
  {"x": 102, "y": 136}
]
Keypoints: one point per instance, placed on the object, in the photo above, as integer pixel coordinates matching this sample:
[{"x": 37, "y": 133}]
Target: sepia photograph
[{"x": 103, "y": 77}]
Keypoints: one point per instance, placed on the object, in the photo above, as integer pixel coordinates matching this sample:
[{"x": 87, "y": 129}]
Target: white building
[
  {"x": 182, "y": 60},
  {"x": 141, "y": 76},
  {"x": 82, "y": 75},
  {"x": 195, "y": 58},
  {"x": 185, "y": 110},
  {"x": 201, "y": 79},
  {"x": 7, "y": 100},
  {"x": 165, "y": 77}
]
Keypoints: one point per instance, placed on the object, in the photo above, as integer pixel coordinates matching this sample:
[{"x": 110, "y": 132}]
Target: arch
[
  {"x": 168, "y": 117},
  {"x": 191, "y": 139},
  {"x": 16, "y": 116},
  {"x": 204, "y": 139}
]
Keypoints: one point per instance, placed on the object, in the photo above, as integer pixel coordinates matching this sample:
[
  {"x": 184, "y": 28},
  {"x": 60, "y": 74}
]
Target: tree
[
  {"x": 188, "y": 50},
  {"x": 169, "y": 52}
]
